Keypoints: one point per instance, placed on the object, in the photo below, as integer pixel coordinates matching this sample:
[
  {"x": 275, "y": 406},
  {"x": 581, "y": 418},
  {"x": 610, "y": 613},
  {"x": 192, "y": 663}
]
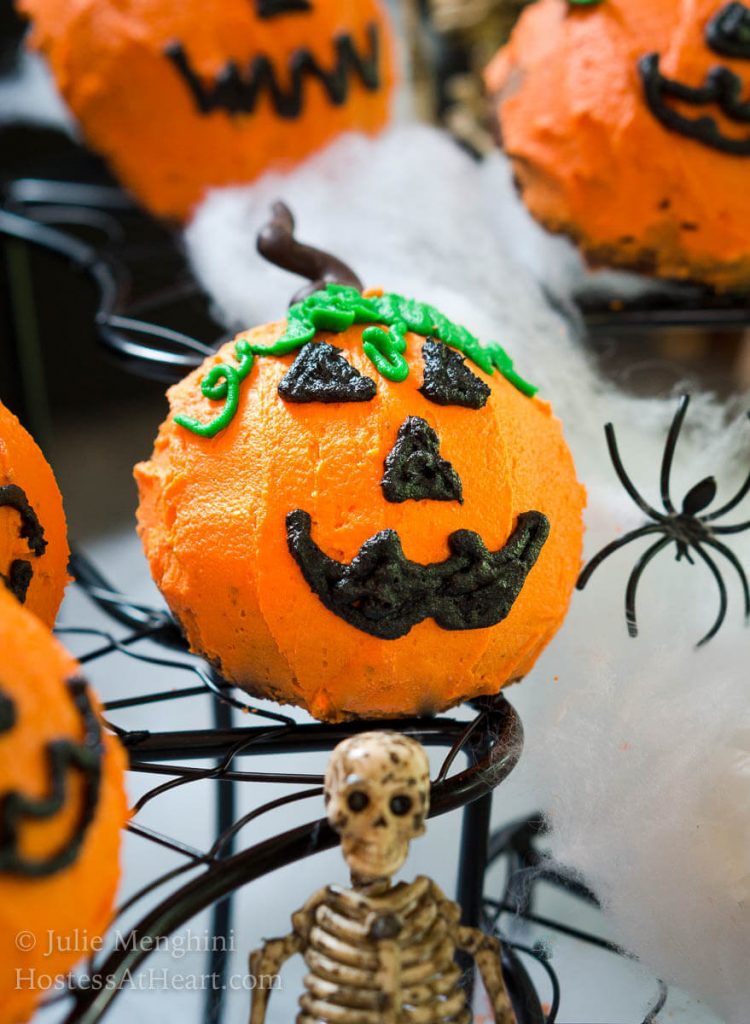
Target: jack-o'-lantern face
[
  {"x": 390, "y": 528},
  {"x": 182, "y": 95},
  {"x": 62, "y": 808},
  {"x": 628, "y": 125},
  {"x": 33, "y": 534},
  {"x": 721, "y": 117}
]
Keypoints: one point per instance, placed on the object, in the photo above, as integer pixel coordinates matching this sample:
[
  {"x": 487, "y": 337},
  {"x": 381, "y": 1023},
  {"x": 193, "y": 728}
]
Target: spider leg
[
  {"x": 717, "y": 513},
  {"x": 732, "y": 503},
  {"x": 615, "y": 545},
  {"x": 634, "y": 580},
  {"x": 683, "y": 551},
  {"x": 733, "y": 560},
  {"x": 623, "y": 477},
  {"x": 669, "y": 450},
  {"x": 737, "y": 528},
  {"x": 722, "y": 595}
]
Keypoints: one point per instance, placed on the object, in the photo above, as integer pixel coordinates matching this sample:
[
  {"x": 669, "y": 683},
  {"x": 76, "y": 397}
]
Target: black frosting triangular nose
[{"x": 414, "y": 468}]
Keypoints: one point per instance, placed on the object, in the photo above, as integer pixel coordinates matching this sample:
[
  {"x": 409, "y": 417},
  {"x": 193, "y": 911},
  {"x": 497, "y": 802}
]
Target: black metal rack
[
  {"x": 491, "y": 742},
  {"x": 49, "y": 214}
]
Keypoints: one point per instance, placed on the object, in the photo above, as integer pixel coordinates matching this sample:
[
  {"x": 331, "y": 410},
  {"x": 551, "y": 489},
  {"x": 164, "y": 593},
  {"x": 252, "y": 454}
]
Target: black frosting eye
[
  {"x": 21, "y": 572},
  {"x": 272, "y": 8},
  {"x": 320, "y": 373},
  {"x": 401, "y": 805},
  {"x": 447, "y": 378},
  {"x": 7, "y": 713},
  {"x": 728, "y": 32},
  {"x": 357, "y": 801}
]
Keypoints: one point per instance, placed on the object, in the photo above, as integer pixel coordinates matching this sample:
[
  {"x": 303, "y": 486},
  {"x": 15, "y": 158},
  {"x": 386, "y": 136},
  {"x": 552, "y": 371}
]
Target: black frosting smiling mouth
[
  {"x": 238, "y": 90},
  {"x": 383, "y": 593},
  {"x": 721, "y": 87},
  {"x": 728, "y": 34},
  {"x": 64, "y": 757}
]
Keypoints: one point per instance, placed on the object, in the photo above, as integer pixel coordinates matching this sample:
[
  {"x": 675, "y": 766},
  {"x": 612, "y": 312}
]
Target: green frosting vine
[
  {"x": 222, "y": 382},
  {"x": 335, "y": 309}
]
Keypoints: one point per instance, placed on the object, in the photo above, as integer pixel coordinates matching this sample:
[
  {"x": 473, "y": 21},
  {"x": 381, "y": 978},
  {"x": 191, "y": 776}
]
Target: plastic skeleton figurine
[{"x": 379, "y": 953}]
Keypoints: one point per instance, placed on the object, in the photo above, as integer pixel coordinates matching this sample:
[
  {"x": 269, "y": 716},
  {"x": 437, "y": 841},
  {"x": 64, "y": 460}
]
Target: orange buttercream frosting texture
[
  {"x": 593, "y": 160},
  {"x": 212, "y": 519},
  {"x": 23, "y": 466},
  {"x": 112, "y": 63},
  {"x": 47, "y": 922}
]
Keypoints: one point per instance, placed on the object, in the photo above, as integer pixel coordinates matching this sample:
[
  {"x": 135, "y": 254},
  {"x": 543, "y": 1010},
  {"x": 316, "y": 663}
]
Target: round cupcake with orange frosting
[
  {"x": 628, "y": 127},
  {"x": 181, "y": 96},
  {"x": 362, "y": 510},
  {"x": 62, "y": 808},
  {"x": 33, "y": 533}
]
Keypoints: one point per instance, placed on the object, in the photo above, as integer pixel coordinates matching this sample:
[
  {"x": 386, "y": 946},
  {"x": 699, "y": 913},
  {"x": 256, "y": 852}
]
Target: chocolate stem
[{"x": 277, "y": 244}]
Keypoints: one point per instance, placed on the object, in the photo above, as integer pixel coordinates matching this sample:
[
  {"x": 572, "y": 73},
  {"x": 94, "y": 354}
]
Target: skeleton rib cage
[{"x": 409, "y": 975}]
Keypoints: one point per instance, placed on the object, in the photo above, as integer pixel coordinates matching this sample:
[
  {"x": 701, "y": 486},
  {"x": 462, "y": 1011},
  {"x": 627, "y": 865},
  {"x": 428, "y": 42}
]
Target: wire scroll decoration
[
  {"x": 491, "y": 741},
  {"x": 49, "y": 214}
]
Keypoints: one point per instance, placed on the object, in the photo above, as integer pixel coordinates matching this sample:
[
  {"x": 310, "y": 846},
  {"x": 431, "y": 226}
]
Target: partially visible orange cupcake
[
  {"x": 34, "y": 549},
  {"x": 62, "y": 808},
  {"x": 626, "y": 123},
  {"x": 181, "y": 96}
]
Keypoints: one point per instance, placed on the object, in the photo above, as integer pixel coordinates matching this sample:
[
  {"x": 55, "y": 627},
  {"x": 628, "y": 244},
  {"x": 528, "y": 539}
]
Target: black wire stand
[
  {"x": 52, "y": 215},
  {"x": 491, "y": 742}
]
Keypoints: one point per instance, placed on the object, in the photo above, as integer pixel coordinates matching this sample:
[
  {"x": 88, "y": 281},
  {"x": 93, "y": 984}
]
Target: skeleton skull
[{"x": 377, "y": 792}]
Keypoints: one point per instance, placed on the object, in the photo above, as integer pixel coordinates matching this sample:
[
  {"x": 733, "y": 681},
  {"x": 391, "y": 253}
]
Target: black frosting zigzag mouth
[
  {"x": 238, "y": 91},
  {"x": 383, "y": 593},
  {"x": 721, "y": 88}
]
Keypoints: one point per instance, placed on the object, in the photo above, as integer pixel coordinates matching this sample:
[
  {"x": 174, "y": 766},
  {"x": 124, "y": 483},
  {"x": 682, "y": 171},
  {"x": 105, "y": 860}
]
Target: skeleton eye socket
[
  {"x": 357, "y": 801},
  {"x": 401, "y": 805}
]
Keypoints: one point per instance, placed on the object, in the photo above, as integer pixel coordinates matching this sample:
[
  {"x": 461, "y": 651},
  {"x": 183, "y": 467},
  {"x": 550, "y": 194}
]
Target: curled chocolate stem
[{"x": 277, "y": 244}]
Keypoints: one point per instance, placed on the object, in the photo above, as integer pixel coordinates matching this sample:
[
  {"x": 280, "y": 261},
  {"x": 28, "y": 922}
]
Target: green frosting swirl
[
  {"x": 336, "y": 309},
  {"x": 222, "y": 383}
]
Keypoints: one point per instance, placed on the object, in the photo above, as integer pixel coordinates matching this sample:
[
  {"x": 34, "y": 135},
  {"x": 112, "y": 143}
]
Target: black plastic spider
[{"x": 688, "y": 529}]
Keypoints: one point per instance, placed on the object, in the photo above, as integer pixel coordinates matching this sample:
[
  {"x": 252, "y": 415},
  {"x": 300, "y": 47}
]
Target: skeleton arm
[
  {"x": 266, "y": 962},
  {"x": 486, "y": 952}
]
